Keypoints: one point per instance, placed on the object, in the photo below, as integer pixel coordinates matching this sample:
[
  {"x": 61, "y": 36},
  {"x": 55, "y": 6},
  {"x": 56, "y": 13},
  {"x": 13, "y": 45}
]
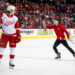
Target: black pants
[{"x": 64, "y": 42}]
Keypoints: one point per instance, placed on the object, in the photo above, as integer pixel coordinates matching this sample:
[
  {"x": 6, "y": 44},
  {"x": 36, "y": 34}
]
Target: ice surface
[{"x": 36, "y": 57}]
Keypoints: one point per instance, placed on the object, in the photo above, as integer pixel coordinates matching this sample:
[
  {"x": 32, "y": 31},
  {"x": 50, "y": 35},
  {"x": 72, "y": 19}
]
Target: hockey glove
[{"x": 18, "y": 39}]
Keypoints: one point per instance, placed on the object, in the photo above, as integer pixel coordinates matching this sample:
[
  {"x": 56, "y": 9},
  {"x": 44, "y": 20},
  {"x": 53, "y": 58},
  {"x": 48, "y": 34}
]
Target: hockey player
[
  {"x": 11, "y": 33},
  {"x": 59, "y": 30}
]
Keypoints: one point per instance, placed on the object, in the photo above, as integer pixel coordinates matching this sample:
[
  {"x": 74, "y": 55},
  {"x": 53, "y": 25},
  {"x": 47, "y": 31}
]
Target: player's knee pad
[
  {"x": 12, "y": 51},
  {"x": 2, "y": 50}
]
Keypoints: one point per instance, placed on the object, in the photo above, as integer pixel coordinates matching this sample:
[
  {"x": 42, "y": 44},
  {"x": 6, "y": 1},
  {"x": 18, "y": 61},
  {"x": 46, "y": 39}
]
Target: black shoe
[
  {"x": 11, "y": 65},
  {"x": 58, "y": 56}
]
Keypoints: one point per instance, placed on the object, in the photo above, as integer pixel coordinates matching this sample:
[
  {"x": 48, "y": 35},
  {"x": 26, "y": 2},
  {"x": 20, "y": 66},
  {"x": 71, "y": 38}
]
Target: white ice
[{"x": 36, "y": 57}]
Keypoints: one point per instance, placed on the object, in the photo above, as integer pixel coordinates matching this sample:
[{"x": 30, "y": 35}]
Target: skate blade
[
  {"x": 11, "y": 67},
  {"x": 57, "y": 58}
]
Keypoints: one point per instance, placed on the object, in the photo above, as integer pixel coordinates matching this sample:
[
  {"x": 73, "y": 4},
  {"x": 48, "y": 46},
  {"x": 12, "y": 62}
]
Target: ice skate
[
  {"x": 58, "y": 56},
  {"x": 11, "y": 65},
  {"x": 74, "y": 55}
]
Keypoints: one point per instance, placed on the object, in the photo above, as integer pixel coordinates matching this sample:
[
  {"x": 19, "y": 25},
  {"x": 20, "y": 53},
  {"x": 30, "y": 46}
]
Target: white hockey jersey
[{"x": 9, "y": 24}]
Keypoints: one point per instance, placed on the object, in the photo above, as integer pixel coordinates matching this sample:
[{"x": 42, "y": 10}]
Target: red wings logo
[{"x": 8, "y": 23}]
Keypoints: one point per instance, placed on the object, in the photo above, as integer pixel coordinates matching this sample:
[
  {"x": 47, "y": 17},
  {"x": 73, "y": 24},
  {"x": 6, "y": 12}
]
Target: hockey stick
[
  {"x": 72, "y": 39},
  {"x": 0, "y": 33}
]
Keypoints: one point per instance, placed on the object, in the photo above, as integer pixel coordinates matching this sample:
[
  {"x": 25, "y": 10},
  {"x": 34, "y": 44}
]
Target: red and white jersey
[{"x": 9, "y": 24}]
